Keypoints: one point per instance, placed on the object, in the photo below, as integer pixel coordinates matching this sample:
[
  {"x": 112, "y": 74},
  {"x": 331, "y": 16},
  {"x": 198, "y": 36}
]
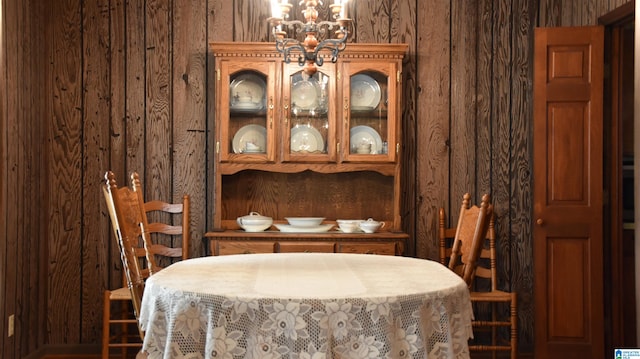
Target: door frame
[{"x": 614, "y": 22}]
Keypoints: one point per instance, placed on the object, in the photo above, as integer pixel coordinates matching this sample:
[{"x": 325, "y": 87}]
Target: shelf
[
  {"x": 336, "y": 235},
  {"x": 385, "y": 169}
]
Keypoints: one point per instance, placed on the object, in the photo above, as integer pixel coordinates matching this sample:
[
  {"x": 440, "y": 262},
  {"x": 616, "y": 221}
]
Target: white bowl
[
  {"x": 349, "y": 225},
  {"x": 254, "y": 222},
  {"x": 370, "y": 226},
  {"x": 304, "y": 221}
]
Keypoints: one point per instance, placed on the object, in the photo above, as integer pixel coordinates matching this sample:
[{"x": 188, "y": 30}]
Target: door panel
[
  {"x": 568, "y": 202},
  {"x": 566, "y": 136}
]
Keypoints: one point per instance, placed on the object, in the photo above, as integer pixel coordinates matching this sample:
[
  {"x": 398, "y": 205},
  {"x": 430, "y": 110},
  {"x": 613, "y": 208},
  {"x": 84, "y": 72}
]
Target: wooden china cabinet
[{"x": 292, "y": 145}]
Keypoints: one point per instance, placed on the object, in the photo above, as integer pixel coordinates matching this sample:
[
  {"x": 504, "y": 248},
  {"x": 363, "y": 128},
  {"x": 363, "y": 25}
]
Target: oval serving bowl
[{"x": 305, "y": 222}]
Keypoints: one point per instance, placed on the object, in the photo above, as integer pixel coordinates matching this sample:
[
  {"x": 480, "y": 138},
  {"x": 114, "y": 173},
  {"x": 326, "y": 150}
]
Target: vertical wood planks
[
  {"x": 484, "y": 98},
  {"x": 38, "y": 311},
  {"x": 500, "y": 132},
  {"x": 157, "y": 176},
  {"x": 115, "y": 150},
  {"x": 32, "y": 330},
  {"x": 29, "y": 246},
  {"x": 10, "y": 166},
  {"x": 403, "y": 30},
  {"x": 516, "y": 266},
  {"x": 370, "y": 20},
  {"x": 189, "y": 103},
  {"x": 433, "y": 108},
  {"x": 132, "y": 128},
  {"x": 464, "y": 141},
  {"x": 64, "y": 190},
  {"x": 549, "y": 13},
  {"x": 250, "y": 20},
  {"x": 219, "y": 28},
  {"x": 93, "y": 126}
]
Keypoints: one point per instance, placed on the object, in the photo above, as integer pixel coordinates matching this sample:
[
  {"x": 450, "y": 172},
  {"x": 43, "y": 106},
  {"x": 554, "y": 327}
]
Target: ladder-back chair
[
  {"x": 127, "y": 222},
  {"x": 486, "y": 271},
  {"x": 156, "y": 233}
]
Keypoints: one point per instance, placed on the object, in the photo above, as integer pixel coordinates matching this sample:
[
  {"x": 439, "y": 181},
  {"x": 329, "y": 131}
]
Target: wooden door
[{"x": 568, "y": 187}]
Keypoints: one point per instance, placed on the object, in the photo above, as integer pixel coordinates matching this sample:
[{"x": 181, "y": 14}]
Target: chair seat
[
  {"x": 120, "y": 294},
  {"x": 492, "y": 296}
]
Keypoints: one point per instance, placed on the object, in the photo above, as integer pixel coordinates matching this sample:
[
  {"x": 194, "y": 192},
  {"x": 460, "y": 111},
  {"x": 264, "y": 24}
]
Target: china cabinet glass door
[
  {"x": 245, "y": 111},
  {"x": 308, "y": 114},
  {"x": 369, "y": 114}
]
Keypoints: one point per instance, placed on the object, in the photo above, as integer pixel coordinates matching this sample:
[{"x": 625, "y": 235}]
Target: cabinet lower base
[{"x": 241, "y": 242}]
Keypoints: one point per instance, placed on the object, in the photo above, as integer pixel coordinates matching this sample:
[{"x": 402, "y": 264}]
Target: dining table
[{"x": 306, "y": 306}]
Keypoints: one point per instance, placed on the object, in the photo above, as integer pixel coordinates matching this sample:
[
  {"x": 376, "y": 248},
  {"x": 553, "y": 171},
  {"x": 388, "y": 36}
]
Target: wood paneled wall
[{"x": 92, "y": 85}]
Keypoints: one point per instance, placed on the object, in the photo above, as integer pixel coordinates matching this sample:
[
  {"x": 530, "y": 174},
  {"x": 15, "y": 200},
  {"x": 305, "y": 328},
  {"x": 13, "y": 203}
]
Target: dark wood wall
[{"x": 93, "y": 85}]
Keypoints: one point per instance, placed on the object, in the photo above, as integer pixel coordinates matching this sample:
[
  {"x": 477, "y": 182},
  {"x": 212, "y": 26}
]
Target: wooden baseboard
[
  {"x": 501, "y": 355},
  {"x": 75, "y": 351}
]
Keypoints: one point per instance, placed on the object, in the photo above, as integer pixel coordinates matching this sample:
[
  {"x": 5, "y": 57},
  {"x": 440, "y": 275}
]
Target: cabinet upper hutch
[{"x": 292, "y": 145}]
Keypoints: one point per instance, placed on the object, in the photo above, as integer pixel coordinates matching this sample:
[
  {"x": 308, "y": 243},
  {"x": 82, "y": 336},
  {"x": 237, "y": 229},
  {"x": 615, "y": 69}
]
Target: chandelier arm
[
  {"x": 332, "y": 45},
  {"x": 286, "y": 46},
  {"x": 296, "y": 25}
]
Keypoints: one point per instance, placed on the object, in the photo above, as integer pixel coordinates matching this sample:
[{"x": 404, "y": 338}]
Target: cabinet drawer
[
  {"x": 367, "y": 248},
  {"x": 315, "y": 247},
  {"x": 220, "y": 248}
]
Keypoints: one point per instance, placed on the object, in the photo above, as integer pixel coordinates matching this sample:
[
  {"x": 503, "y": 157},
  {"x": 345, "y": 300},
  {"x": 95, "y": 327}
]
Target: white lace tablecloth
[{"x": 306, "y": 306}]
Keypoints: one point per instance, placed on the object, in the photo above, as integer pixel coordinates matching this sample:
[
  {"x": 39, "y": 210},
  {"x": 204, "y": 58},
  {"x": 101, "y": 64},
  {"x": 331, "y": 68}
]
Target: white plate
[
  {"x": 365, "y": 92},
  {"x": 365, "y": 134},
  {"x": 246, "y": 92},
  {"x": 305, "y": 94},
  {"x": 255, "y": 134},
  {"x": 290, "y": 228},
  {"x": 307, "y": 139}
]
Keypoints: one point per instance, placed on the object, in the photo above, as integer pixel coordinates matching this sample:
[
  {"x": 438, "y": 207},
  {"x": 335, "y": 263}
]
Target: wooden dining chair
[
  {"x": 473, "y": 223},
  {"x": 126, "y": 214},
  {"x": 485, "y": 290},
  {"x": 156, "y": 246}
]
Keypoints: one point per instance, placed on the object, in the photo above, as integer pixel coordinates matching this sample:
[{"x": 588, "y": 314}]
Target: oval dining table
[{"x": 306, "y": 306}]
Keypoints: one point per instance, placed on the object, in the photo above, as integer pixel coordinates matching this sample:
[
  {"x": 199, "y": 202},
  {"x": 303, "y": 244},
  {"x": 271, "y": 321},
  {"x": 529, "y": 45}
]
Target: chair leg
[
  {"x": 124, "y": 336},
  {"x": 514, "y": 326},
  {"x": 106, "y": 314},
  {"x": 106, "y": 326},
  {"x": 494, "y": 329}
]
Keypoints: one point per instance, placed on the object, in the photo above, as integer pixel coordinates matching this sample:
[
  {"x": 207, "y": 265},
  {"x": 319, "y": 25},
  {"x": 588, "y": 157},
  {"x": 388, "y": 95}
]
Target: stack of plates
[
  {"x": 365, "y": 135},
  {"x": 254, "y": 134},
  {"x": 306, "y": 139}
]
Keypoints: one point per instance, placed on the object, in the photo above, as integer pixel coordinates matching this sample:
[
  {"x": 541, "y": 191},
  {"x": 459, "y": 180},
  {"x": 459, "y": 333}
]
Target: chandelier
[{"x": 308, "y": 51}]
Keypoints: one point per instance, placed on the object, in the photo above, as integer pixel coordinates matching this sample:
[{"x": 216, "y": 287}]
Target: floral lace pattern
[{"x": 210, "y": 308}]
